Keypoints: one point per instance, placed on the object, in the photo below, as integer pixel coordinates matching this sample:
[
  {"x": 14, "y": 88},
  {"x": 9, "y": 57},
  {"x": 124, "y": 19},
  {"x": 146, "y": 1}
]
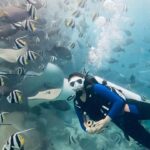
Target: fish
[
  {"x": 112, "y": 61},
  {"x": 28, "y": 25},
  {"x": 2, "y": 117},
  {"x": 72, "y": 45},
  {"x": 31, "y": 2},
  {"x": 16, "y": 141},
  {"x": 53, "y": 58},
  {"x": 82, "y": 3},
  {"x": 15, "y": 96},
  {"x": 38, "y": 3},
  {"x": 32, "y": 12},
  {"x": 46, "y": 36},
  {"x": 118, "y": 49},
  {"x": 31, "y": 55},
  {"x": 17, "y": 25},
  {"x": 22, "y": 60},
  {"x": 127, "y": 32},
  {"x": 19, "y": 43},
  {"x": 132, "y": 79},
  {"x": 20, "y": 71},
  {"x": 95, "y": 15},
  {"x": 76, "y": 13},
  {"x": 128, "y": 41},
  {"x": 133, "y": 65},
  {"x": 70, "y": 22},
  {"x": 3, "y": 80},
  {"x": 37, "y": 40},
  {"x": 72, "y": 140},
  {"x": 80, "y": 34}
]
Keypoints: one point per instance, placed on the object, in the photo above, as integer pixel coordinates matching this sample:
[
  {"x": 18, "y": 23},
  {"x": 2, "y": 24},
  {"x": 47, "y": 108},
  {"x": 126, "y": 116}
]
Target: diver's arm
[
  {"x": 117, "y": 103},
  {"x": 85, "y": 123},
  {"x": 80, "y": 117}
]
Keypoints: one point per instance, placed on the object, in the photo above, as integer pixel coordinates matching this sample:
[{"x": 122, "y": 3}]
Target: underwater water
[{"x": 43, "y": 41}]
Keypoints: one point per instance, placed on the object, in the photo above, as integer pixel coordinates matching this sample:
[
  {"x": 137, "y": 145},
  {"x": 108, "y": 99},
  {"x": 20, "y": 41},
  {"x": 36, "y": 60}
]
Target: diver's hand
[
  {"x": 92, "y": 128},
  {"x": 96, "y": 126},
  {"x": 99, "y": 125}
]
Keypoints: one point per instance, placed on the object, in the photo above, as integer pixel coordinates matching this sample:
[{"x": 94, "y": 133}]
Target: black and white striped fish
[
  {"x": 72, "y": 45},
  {"x": 72, "y": 140},
  {"x": 20, "y": 71},
  {"x": 32, "y": 11},
  {"x": 22, "y": 60},
  {"x": 19, "y": 43},
  {"x": 31, "y": 55},
  {"x": 31, "y": 2},
  {"x": 16, "y": 141},
  {"x": 15, "y": 96},
  {"x": 2, "y": 117},
  {"x": 18, "y": 25},
  {"x": 53, "y": 59},
  {"x": 28, "y": 25}
]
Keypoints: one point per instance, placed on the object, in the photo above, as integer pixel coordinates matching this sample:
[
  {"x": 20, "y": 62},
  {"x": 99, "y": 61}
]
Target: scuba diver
[{"x": 96, "y": 104}]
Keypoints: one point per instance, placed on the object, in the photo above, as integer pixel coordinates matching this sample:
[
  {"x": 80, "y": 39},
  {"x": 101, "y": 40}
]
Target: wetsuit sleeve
[
  {"x": 80, "y": 116},
  {"x": 117, "y": 103}
]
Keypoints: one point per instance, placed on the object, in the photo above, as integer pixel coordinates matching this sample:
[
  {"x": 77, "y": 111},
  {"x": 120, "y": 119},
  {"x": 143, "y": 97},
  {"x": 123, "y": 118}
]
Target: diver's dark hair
[{"x": 76, "y": 74}]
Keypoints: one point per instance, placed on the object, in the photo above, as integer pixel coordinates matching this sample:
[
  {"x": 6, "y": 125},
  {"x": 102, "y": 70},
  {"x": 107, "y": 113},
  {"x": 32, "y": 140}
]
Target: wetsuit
[{"x": 101, "y": 101}]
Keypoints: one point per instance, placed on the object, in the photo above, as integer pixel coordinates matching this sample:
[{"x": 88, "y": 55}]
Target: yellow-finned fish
[
  {"x": 28, "y": 25},
  {"x": 15, "y": 96},
  {"x": 16, "y": 141},
  {"x": 22, "y": 60}
]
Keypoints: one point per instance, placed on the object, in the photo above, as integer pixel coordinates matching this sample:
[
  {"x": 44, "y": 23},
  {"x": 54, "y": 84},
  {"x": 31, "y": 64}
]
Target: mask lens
[
  {"x": 79, "y": 81},
  {"x": 72, "y": 83}
]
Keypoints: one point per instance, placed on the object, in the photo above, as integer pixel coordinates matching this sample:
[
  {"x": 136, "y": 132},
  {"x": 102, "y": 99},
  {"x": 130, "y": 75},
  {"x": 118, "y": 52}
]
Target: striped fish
[
  {"x": 2, "y": 117},
  {"x": 72, "y": 45},
  {"x": 20, "y": 71},
  {"x": 16, "y": 141},
  {"x": 72, "y": 140},
  {"x": 31, "y": 55},
  {"x": 19, "y": 43},
  {"x": 15, "y": 96},
  {"x": 22, "y": 60},
  {"x": 31, "y": 1},
  {"x": 53, "y": 58},
  {"x": 28, "y": 25},
  {"x": 17, "y": 25},
  {"x": 32, "y": 12}
]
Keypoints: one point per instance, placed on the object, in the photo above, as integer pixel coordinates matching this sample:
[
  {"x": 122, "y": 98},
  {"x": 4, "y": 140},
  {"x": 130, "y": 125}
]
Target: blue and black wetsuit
[{"x": 101, "y": 101}]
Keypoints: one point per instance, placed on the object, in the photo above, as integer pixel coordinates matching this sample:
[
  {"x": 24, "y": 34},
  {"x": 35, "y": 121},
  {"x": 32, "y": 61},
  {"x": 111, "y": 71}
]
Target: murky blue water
[{"x": 109, "y": 38}]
